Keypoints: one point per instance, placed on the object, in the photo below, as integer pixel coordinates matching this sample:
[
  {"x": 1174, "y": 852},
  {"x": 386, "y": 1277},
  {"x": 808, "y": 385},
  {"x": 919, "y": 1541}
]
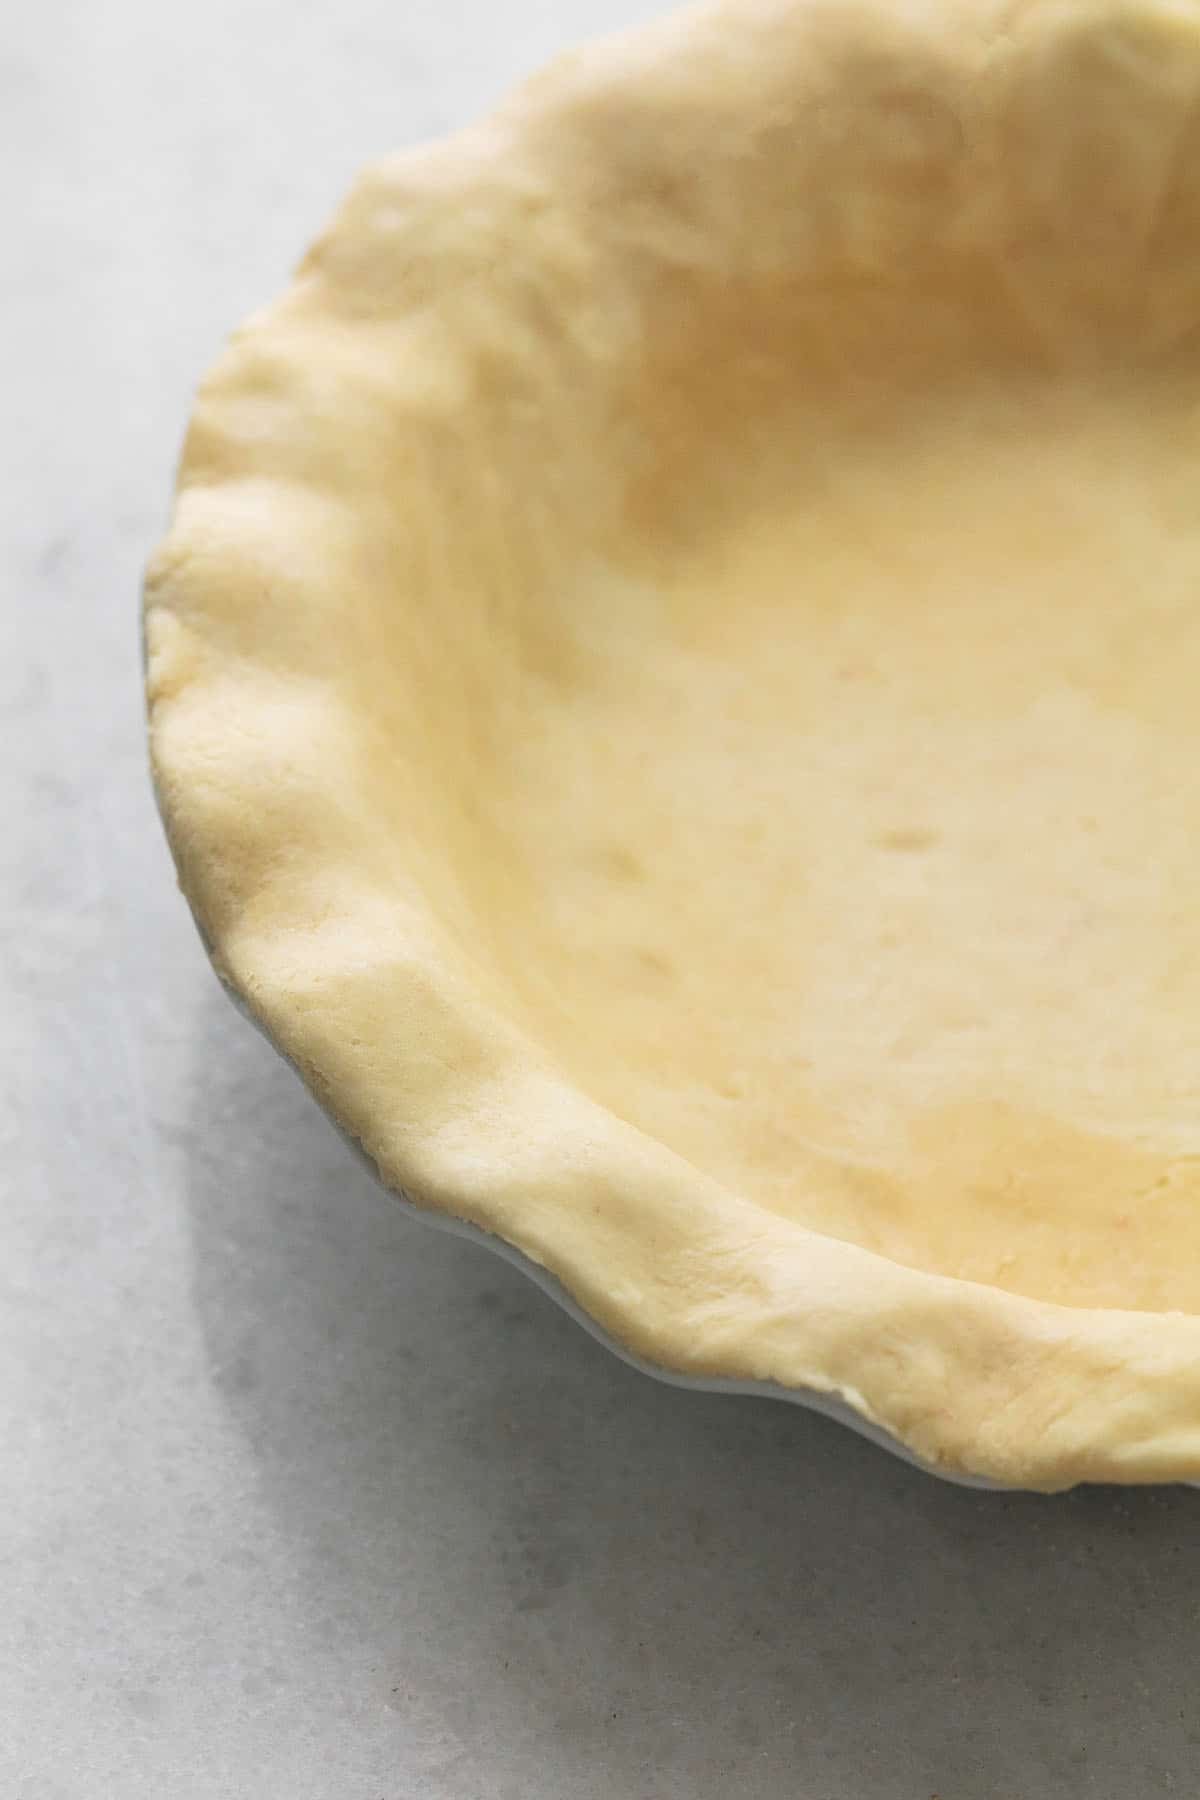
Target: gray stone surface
[{"x": 301, "y": 1500}]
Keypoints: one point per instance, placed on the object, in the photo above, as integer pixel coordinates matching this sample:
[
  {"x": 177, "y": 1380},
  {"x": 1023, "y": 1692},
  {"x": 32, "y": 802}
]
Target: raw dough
[{"x": 674, "y": 696}]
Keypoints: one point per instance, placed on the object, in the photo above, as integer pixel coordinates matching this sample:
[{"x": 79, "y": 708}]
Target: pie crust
[{"x": 673, "y": 688}]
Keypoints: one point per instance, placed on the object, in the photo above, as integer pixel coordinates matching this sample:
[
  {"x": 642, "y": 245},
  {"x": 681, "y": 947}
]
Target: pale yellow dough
[{"x": 674, "y": 680}]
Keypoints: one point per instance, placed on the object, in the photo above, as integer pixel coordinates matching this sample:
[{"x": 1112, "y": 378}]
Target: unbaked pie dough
[{"x": 674, "y": 682}]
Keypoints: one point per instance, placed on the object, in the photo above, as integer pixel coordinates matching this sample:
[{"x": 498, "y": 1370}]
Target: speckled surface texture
[{"x": 300, "y": 1498}]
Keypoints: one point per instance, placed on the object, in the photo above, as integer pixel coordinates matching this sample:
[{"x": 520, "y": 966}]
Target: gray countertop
[{"x": 302, "y": 1500}]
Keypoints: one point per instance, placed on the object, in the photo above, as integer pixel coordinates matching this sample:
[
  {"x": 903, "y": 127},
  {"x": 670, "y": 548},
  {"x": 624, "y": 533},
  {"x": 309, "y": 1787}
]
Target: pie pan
[{"x": 672, "y": 683}]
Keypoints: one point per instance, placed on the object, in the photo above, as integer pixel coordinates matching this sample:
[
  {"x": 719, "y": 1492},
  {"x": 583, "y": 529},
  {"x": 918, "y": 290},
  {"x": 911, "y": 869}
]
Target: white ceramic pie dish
[{"x": 668, "y": 679}]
